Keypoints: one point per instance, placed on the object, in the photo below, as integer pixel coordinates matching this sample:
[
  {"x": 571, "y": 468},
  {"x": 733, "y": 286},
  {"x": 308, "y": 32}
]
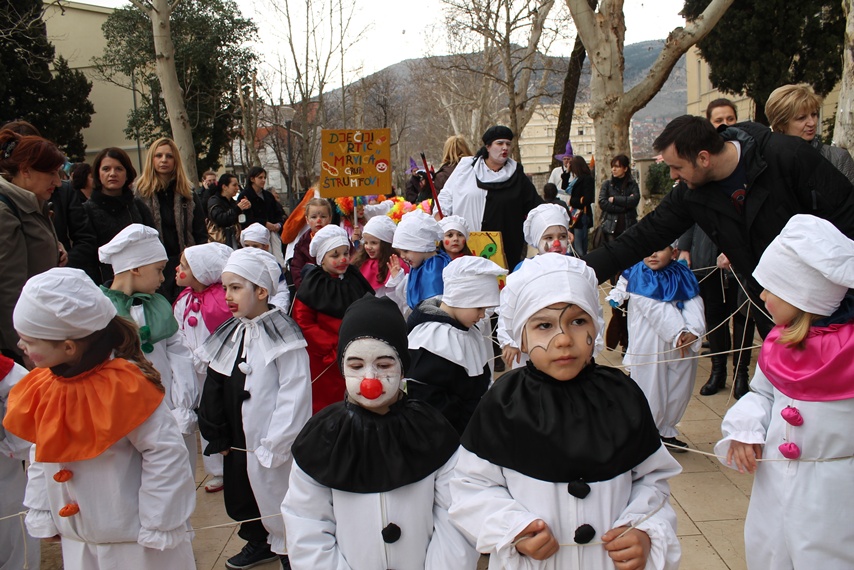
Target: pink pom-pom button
[
  {"x": 792, "y": 415},
  {"x": 195, "y": 306},
  {"x": 192, "y": 321},
  {"x": 790, "y": 450}
]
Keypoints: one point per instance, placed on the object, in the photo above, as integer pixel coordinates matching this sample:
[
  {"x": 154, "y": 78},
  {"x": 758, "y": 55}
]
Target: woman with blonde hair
[
  {"x": 455, "y": 148},
  {"x": 164, "y": 187},
  {"x": 793, "y": 110}
]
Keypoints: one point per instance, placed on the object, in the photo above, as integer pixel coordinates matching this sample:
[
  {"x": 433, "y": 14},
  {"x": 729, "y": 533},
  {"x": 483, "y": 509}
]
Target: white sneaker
[{"x": 214, "y": 485}]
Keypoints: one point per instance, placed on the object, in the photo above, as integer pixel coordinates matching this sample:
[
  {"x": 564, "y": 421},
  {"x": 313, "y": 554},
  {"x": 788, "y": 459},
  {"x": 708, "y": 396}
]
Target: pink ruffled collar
[
  {"x": 822, "y": 372},
  {"x": 210, "y": 303}
]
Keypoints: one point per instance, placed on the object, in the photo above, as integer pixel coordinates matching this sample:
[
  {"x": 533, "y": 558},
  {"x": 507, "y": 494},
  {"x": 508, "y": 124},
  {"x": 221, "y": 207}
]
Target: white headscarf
[
  {"x": 545, "y": 280},
  {"x": 381, "y": 227},
  {"x": 255, "y": 232},
  {"x": 326, "y": 239},
  {"x": 471, "y": 282},
  {"x": 256, "y": 266},
  {"x": 458, "y": 223},
  {"x": 207, "y": 260},
  {"x": 542, "y": 218},
  {"x": 417, "y": 231},
  {"x": 135, "y": 246},
  {"x": 62, "y": 304},
  {"x": 809, "y": 265}
]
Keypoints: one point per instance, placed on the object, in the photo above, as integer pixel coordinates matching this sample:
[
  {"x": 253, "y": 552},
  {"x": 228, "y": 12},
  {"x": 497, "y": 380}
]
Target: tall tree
[
  {"x": 56, "y": 101},
  {"x": 843, "y": 133},
  {"x": 603, "y": 33},
  {"x": 185, "y": 58},
  {"x": 778, "y": 42}
]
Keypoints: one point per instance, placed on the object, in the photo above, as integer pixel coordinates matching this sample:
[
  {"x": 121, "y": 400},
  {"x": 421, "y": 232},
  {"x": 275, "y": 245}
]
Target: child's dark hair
[
  {"x": 549, "y": 191},
  {"x": 385, "y": 254}
]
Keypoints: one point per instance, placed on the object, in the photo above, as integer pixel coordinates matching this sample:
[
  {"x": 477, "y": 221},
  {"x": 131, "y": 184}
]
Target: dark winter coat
[
  {"x": 626, "y": 197},
  {"x": 223, "y": 212},
  {"x": 784, "y": 177},
  {"x": 72, "y": 226},
  {"x": 582, "y": 197},
  {"x": 265, "y": 208}
]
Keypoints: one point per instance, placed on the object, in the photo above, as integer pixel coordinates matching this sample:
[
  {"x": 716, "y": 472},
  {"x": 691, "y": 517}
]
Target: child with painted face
[
  {"x": 369, "y": 488},
  {"x": 257, "y": 396},
  {"x": 450, "y": 352},
  {"x": 798, "y": 413},
  {"x": 546, "y": 229},
  {"x": 561, "y": 461},
  {"x": 199, "y": 310},
  {"x": 665, "y": 319},
  {"x": 373, "y": 258},
  {"x": 416, "y": 238},
  {"x": 457, "y": 232},
  {"x": 138, "y": 257},
  {"x": 256, "y": 235},
  {"x": 320, "y": 302},
  {"x": 109, "y": 475},
  {"x": 318, "y": 214}
]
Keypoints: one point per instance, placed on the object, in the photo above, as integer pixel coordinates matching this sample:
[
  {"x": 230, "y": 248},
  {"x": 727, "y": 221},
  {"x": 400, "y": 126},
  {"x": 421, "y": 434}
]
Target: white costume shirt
[
  {"x": 135, "y": 501},
  {"x": 331, "y": 529},
  {"x": 492, "y": 505},
  {"x": 654, "y": 330},
  {"x": 799, "y": 511}
]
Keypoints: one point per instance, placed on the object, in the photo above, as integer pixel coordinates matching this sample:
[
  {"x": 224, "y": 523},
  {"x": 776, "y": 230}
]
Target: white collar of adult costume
[
  {"x": 273, "y": 333},
  {"x": 463, "y": 348},
  {"x": 489, "y": 176}
]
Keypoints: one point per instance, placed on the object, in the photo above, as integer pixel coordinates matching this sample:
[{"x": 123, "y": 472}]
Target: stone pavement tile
[
  {"x": 684, "y": 525},
  {"x": 708, "y": 496},
  {"x": 727, "y": 538},
  {"x": 694, "y": 462},
  {"x": 697, "y": 410},
  {"x": 743, "y": 481},
  {"x": 698, "y": 554},
  {"x": 232, "y": 547},
  {"x": 701, "y": 431}
]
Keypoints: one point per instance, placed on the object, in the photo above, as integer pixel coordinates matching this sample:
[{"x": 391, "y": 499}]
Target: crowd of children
[{"x": 358, "y": 425}]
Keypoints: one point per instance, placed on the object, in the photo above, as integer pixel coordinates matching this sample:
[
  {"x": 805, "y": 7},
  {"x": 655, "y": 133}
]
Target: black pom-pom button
[
  {"x": 245, "y": 395},
  {"x": 584, "y": 534},
  {"x": 391, "y": 533},
  {"x": 578, "y": 489}
]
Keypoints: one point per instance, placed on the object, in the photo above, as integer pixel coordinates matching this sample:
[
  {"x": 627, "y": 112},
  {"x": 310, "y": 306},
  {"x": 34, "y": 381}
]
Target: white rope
[
  {"x": 706, "y": 453},
  {"x": 234, "y": 523}
]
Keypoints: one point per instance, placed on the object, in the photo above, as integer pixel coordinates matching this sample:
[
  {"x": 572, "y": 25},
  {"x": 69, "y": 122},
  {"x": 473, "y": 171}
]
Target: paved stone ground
[{"x": 710, "y": 500}]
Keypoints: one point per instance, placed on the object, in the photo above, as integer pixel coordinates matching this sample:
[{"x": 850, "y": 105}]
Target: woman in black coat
[
  {"x": 582, "y": 197},
  {"x": 112, "y": 206},
  {"x": 618, "y": 199},
  {"x": 223, "y": 212}
]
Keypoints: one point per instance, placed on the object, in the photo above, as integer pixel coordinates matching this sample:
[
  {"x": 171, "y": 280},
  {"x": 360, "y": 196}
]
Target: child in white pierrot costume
[
  {"x": 561, "y": 466},
  {"x": 799, "y": 413},
  {"x": 138, "y": 259},
  {"x": 369, "y": 488},
  {"x": 257, "y": 397},
  {"x": 199, "y": 309},
  {"x": 109, "y": 474}
]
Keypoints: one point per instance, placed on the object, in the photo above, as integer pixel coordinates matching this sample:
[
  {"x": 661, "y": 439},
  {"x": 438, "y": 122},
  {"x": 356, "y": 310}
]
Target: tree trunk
[
  {"x": 164, "y": 52},
  {"x": 603, "y": 34},
  {"x": 843, "y": 132}
]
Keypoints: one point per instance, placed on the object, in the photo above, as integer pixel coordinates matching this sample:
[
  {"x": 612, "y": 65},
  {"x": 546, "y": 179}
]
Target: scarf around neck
[{"x": 160, "y": 322}]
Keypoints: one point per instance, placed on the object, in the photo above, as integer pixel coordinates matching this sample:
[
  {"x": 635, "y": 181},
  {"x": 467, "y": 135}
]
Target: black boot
[
  {"x": 742, "y": 382},
  {"x": 717, "y": 380}
]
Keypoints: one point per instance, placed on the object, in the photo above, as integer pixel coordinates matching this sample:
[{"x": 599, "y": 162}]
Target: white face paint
[
  {"x": 555, "y": 240},
  {"x": 373, "y": 373}
]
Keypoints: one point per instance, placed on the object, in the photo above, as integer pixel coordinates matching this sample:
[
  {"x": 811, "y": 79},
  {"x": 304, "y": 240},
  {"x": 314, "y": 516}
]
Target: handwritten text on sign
[{"x": 355, "y": 162}]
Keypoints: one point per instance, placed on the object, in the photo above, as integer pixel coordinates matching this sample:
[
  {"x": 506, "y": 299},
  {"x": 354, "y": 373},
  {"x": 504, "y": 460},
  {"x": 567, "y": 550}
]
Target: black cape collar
[
  {"x": 592, "y": 428},
  {"x": 351, "y": 449},
  {"x": 331, "y": 295}
]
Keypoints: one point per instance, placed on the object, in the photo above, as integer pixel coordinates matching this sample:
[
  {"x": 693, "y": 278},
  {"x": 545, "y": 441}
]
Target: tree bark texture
[{"x": 843, "y": 132}]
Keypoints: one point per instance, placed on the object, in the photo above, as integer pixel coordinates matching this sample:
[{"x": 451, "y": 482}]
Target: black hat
[
  {"x": 374, "y": 317},
  {"x": 496, "y": 132}
]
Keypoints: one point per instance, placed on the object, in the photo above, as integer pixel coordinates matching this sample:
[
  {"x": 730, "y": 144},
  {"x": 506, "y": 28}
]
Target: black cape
[
  {"x": 331, "y": 295},
  {"x": 349, "y": 448},
  {"x": 593, "y": 427}
]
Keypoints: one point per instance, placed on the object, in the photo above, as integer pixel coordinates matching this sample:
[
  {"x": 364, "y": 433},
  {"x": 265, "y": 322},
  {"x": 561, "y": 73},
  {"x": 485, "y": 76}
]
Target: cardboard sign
[
  {"x": 355, "y": 162},
  {"x": 489, "y": 245}
]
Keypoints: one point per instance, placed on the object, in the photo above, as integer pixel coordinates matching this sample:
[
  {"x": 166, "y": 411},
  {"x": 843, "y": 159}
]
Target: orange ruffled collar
[{"x": 78, "y": 418}]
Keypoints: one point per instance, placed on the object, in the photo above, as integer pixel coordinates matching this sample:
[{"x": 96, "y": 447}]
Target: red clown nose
[
  {"x": 556, "y": 244},
  {"x": 371, "y": 388}
]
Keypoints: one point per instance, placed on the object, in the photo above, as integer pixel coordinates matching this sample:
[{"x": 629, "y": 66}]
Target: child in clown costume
[
  {"x": 799, "y": 413},
  {"x": 109, "y": 474},
  {"x": 561, "y": 467},
  {"x": 257, "y": 396},
  {"x": 416, "y": 237},
  {"x": 199, "y": 309},
  {"x": 369, "y": 487},
  {"x": 138, "y": 259},
  {"x": 665, "y": 319}
]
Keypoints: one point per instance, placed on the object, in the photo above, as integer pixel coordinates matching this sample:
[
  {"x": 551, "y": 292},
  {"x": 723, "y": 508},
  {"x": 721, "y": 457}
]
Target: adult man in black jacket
[{"x": 740, "y": 187}]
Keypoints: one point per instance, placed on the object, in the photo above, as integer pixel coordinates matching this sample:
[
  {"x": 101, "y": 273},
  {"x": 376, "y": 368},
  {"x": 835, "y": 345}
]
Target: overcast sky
[{"x": 396, "y": 27}]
